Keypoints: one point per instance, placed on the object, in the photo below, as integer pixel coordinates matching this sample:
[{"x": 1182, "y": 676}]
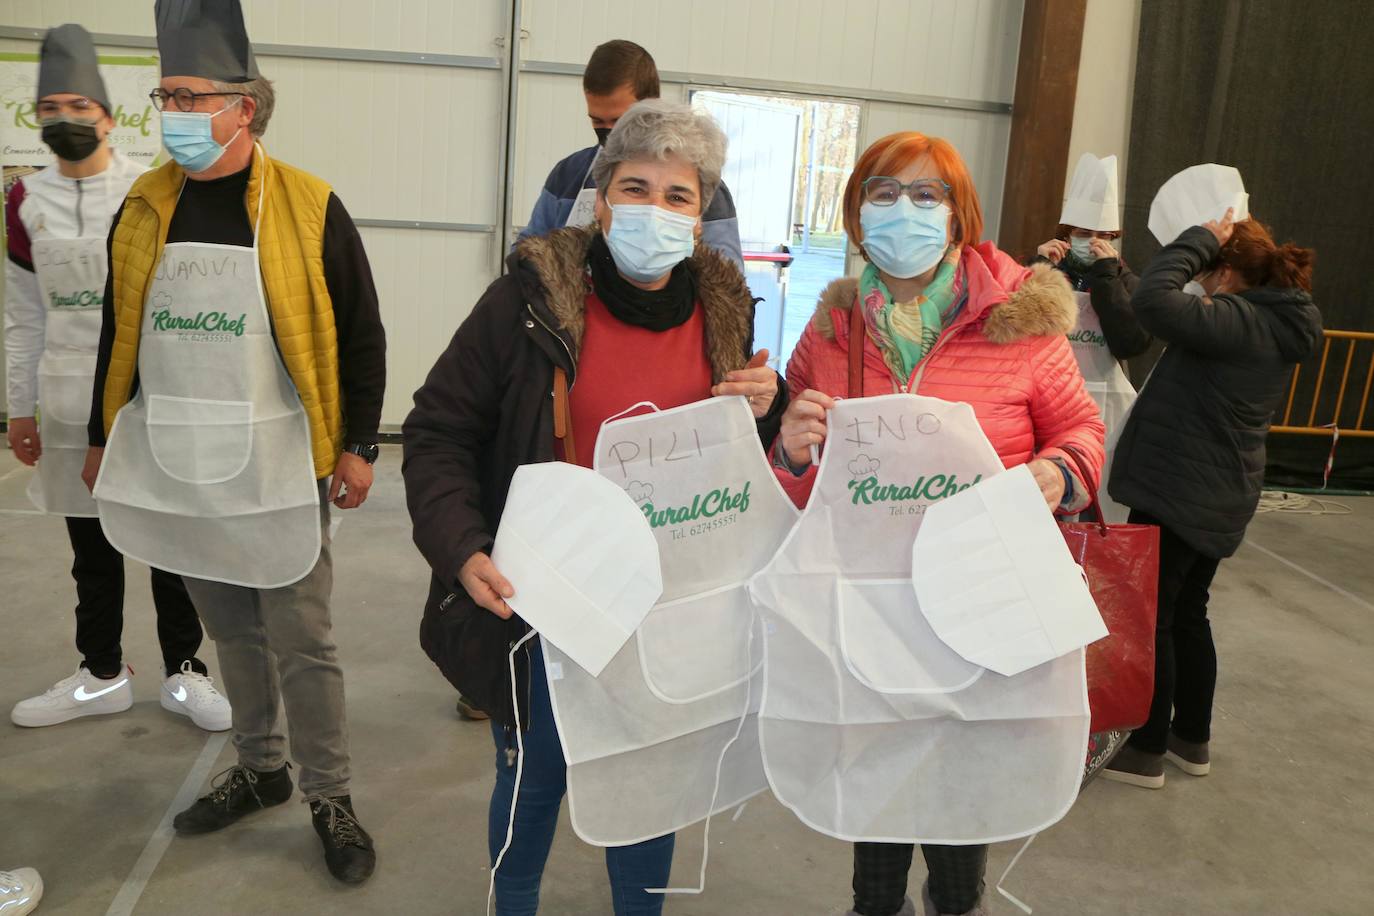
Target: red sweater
[{"x": 621, "y": 365}]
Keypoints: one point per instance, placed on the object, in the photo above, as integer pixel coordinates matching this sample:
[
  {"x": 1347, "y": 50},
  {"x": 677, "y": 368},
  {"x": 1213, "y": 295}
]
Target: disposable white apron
[
  {"x": 1109, "y": 388},
  {"x": 208, "y": 470},
  {"x": 583, "y": 212},
  {"x": 71, "y": 278},
  {"x": 665, "y": 736},
  {"x": 872, "y": 729}
]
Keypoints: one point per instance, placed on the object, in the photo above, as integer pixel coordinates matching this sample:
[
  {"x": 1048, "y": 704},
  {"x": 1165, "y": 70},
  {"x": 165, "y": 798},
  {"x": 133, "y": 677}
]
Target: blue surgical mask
[
  {"x": 647, "y": 241},
  {"x": 905, "y": 240},
  {"x": 1082, "y": 249},
  {"x": 188, "y": 138}
]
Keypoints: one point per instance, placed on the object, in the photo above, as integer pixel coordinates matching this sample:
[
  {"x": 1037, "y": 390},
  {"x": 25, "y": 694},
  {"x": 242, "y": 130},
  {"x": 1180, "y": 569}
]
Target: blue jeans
[{"x": 543, "y": 782}]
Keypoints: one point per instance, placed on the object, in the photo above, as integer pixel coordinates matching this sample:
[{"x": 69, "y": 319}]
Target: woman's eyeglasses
[{"x": 882, "y": 191}]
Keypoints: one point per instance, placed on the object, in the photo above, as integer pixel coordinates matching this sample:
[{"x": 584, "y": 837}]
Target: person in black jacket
[
  {"x": 571, "y": 335},
  {"x": 1191, "y": 457},
  {"x": 1093, "y": 266}
]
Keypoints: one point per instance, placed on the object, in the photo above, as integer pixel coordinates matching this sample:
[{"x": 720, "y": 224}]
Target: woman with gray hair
[{"x": 586, "y": 323}]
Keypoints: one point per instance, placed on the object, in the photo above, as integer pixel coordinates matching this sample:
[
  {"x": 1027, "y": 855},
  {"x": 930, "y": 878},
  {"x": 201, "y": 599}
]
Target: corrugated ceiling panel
[
  {"x": 964, "y": 49},
  {"x": 434, "y": 26}
]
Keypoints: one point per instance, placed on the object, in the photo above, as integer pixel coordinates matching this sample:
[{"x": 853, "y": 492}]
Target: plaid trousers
[{"x": 880, "y": 876}]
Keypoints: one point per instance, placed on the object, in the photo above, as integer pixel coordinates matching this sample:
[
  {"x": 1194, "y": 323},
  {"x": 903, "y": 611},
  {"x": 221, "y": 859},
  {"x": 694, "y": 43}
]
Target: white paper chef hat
[
  {"x": 581, "y": 557},
  {"x": 996, "y": 581},
  {"x": 1091, "y": 199},
  {"x": 1195, "y": 195}
]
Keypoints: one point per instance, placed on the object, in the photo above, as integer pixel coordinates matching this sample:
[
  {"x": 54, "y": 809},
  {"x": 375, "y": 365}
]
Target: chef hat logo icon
[
  {"x": 863, "y": 466},
  {"x": 640, "y": 491},
  {"x": 162, "y": 302}
]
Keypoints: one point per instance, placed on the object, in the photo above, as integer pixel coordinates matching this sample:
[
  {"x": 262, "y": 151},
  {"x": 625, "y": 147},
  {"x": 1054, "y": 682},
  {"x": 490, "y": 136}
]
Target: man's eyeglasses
[{"x": 182, "y": 99}]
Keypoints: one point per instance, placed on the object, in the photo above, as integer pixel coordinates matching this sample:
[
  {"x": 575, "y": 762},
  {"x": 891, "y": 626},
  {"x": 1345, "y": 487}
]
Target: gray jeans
[{"x": 275, "y": 647}]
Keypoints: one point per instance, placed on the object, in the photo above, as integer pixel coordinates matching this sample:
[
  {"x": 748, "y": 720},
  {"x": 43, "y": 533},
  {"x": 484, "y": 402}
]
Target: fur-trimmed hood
[
  {"x": 558, "y": 262},
  {"x": 1010, "y": 301}
]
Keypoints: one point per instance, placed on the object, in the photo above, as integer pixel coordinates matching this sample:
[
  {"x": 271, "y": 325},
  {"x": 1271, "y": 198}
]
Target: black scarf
[{"x": 657, "y": 310}]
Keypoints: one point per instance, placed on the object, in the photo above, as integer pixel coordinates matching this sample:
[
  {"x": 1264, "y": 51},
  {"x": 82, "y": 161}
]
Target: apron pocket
[
  {"x": 200, "y": 442},
  {"x": 65, "y": 389},
  {"x": 699, "y": 646},
  {"x": 888, "y": 645}
]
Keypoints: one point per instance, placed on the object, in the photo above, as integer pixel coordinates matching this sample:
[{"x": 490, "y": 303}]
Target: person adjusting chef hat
[{"x": 1106, "y": 332}]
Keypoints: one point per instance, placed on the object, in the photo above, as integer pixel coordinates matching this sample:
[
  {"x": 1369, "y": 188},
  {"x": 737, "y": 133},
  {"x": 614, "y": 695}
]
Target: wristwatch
[{"x": 368, "y": 453}]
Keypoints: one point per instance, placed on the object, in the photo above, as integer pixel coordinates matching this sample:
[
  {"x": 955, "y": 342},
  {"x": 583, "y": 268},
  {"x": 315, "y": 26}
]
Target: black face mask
[
  {"x": 71, "y": 140},
  {"x": 601, "y": 134}
]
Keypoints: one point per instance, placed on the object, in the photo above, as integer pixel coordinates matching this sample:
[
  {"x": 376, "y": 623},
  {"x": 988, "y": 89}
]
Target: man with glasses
[
  {"x": 56, "y": 223},
  {"x": 238, "y": 392},
  {"x": 619, "y": 74}
]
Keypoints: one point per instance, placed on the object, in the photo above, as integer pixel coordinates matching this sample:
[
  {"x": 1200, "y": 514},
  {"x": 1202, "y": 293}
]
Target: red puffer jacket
[{"x": 1005, "y": 354}]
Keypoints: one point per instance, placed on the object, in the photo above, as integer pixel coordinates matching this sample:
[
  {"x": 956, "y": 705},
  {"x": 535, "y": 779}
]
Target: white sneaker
[
  {"x": 189, "y": 693},
  {"x": 81, "y": 694},
  {"x": 20, "y": 891}
]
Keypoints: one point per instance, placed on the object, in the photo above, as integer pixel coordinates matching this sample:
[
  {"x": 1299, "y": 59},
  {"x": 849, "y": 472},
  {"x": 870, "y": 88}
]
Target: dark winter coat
[
  {"x": 1109, "y": 284},
  {"x": 1192, "y": 453},
  {"x": 487, "y": 407}
]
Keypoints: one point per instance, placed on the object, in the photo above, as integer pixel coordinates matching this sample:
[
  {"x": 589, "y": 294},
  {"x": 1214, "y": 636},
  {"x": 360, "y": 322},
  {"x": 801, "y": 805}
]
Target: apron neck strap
[
  {"x": 858, "y": 334},
  {"x": 633, "y": 407},
  {"x": 262, "y": 187}
]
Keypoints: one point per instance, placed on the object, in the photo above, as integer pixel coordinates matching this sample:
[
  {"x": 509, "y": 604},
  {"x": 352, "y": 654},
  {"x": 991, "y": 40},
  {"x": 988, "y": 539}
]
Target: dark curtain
[{"x": 1283, "y": 91}]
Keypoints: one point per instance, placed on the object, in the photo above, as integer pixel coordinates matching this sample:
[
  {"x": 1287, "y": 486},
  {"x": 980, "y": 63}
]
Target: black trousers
[
  {"x": 1185, "y": 656},
  {"x": 99, "y": 573},
  {"x": 880, "y": 876}
]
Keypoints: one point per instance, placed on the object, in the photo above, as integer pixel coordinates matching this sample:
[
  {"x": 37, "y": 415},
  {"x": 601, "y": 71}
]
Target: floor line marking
[
  {"x": 132, "y": 889},
  {"x": 1314, "y": 577}
]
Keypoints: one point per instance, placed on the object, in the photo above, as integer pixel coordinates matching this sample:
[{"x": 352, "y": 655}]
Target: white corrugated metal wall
[
  {"x": 939, "y": 66},
  {"x": 401, "y": 105}
]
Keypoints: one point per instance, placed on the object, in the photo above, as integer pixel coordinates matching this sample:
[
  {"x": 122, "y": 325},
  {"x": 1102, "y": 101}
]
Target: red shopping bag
[{"x": 1121, "y": 563}]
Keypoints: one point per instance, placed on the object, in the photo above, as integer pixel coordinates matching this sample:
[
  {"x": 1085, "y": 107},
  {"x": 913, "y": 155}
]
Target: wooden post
[{"x": 1041, "y": 123}]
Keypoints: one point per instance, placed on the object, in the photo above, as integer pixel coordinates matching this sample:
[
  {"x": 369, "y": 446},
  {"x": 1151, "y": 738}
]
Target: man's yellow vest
[{"x": 290, "y": 250}]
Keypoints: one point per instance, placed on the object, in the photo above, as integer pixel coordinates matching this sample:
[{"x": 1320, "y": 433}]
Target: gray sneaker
[
  {"x": 1136, "y": 768},
  {"x": 1188, "y": 756}
]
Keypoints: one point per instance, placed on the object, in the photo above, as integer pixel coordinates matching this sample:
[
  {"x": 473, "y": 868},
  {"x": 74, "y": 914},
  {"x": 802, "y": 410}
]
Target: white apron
[
  {"x": 665, "y": 735},
  {"x": 583, "y": 212},
  {"x": 872, "y": 729},
  {"x": 71, "y": 278},
  {"x": 208, "y": 470},
  {"x": 1109, "y": 388}
]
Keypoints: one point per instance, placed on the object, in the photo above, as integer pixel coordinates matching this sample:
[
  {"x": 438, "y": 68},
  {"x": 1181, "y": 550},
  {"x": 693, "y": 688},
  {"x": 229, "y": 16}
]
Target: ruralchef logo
[
  {"x": 18, "y": 102},
  {"x": 1087, "y": 336},
  {"x": 86, "y": 299},
  {"x": 703, "y": 505},
  {"x": 205, "y": 322},
  {"x": 928, "y": 488}
]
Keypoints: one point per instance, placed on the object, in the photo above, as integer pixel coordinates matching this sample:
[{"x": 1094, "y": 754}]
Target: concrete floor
[{"x": 1283, "y": 826}]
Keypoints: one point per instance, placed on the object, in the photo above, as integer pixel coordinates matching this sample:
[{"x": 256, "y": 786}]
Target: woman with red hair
[
  {"x": 945, "y": 315},
  {"x": 1191, "y": 456}
]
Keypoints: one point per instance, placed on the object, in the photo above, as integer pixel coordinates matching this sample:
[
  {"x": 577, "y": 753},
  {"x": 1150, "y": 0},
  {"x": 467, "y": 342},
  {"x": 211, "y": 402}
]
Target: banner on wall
[{"x": 128, "y": 79}]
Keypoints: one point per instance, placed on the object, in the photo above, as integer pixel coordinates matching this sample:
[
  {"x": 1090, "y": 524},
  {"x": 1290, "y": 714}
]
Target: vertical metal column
[{"x": 509, "y": 114}]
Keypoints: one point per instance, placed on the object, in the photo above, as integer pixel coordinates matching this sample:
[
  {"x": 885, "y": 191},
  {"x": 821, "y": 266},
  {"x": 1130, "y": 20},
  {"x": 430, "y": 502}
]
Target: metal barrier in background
[{"x": 1334, "y": 422}]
